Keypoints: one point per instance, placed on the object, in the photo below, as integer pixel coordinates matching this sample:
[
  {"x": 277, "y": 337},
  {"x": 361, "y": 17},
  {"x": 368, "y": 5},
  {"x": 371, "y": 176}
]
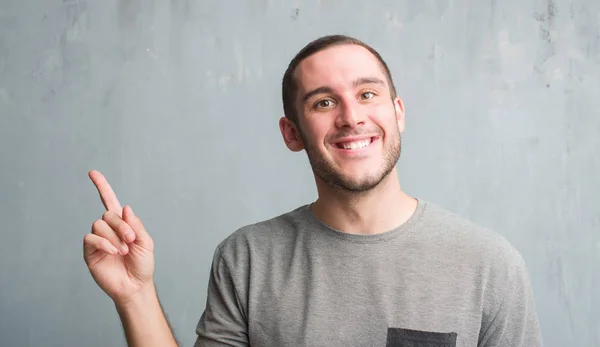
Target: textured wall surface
[{"x": 177, "y": 103}]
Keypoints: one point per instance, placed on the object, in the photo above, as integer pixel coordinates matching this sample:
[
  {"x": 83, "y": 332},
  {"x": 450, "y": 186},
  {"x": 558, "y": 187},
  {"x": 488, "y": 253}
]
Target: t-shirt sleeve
[
  {"x": 223, "y": 322},
  {"x": 514, "y": 321}
]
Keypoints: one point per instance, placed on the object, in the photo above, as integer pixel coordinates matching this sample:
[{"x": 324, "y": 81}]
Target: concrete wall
[{"x": 177, "y": 103}]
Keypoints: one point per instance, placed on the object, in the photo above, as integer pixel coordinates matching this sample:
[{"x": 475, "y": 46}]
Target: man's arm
[
  {"x": 144, "y": 322},
  {"x": 514, "y": 322},
  {"x": 223, "y": 323}
]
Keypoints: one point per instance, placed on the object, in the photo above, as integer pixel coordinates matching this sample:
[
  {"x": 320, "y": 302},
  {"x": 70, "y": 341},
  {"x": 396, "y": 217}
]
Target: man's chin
[{"x": 354, "y": 185}]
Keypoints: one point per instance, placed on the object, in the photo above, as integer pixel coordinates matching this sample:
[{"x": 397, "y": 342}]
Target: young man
[{"x": 364, "y": 265}]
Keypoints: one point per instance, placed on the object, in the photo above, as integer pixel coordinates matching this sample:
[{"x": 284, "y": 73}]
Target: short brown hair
[{"x": 290, "y": 85}]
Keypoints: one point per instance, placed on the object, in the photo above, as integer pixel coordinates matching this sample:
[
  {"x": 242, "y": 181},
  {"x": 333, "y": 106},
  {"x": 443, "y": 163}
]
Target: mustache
[{"x": 345, "y": 134}]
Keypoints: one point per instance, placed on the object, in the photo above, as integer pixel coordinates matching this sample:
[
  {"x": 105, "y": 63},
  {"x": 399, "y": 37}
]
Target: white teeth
[{"x": 356, "y": 144}]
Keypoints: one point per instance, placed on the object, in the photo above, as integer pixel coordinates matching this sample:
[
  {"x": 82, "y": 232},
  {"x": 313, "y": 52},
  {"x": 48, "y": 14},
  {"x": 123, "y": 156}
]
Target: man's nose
[{"x": 350, "y": 115}]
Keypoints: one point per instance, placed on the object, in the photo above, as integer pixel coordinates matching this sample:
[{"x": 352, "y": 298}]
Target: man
[{"x": 364, "y": 265}]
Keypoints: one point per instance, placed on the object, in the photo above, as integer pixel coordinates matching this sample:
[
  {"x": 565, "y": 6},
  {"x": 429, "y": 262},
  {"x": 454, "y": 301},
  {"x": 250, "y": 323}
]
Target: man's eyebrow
[
  {"x": 368, "y": 80},
  {"x": 320, "y": 90}
]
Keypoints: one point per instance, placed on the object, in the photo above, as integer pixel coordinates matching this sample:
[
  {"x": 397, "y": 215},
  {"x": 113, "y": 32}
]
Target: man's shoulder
[
  {"x": 462, "y": 234},
  {"x": 275, "y": 230}
]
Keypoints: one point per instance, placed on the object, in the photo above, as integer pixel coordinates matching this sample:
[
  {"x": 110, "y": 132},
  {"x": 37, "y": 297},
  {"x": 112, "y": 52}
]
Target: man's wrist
[
  {"x": 144, "y": 321},
  {"x": 145, "y": 299}
]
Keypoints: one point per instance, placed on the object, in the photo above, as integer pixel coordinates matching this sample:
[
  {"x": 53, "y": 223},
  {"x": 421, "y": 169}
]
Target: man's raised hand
[{"x": 118, "y": 251}]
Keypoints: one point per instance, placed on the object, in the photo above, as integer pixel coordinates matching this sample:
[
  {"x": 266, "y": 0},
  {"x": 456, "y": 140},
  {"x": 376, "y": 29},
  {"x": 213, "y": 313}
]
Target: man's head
[{"x": 341, "y": 106}]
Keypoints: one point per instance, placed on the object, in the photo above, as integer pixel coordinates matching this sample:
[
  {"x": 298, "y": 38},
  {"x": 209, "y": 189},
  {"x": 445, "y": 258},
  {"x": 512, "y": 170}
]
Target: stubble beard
[{"x": 325, "y": 169}]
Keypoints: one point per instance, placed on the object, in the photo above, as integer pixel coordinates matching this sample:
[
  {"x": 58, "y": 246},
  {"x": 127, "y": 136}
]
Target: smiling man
[{"x": 363, "y": 265}]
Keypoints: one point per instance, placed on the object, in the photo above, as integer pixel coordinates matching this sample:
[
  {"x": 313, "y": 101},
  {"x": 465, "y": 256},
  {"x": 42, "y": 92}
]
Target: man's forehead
[{"x": 337, "y": 63}]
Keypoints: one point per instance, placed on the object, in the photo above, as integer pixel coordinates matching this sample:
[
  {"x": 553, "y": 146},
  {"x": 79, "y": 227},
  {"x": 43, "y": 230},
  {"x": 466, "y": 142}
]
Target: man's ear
[
  {"x": 291, "y": 134},
  {"x": 399, "y": 107}
]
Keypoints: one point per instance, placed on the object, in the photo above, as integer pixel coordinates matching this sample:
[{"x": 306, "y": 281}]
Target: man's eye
[
  {"x": 325, "y": 103},
  {"x": 367, "y": 95}
]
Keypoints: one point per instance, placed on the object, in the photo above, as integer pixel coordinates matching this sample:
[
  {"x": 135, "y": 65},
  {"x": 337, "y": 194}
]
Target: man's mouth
[{"x": 354, "y": 145}]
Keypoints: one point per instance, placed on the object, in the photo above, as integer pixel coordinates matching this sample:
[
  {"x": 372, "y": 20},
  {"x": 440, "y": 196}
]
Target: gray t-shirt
[{"x": 437, "y": 280}]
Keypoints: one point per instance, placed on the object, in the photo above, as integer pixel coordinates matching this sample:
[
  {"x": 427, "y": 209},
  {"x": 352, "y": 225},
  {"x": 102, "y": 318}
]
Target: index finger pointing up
[{"x": 107, "y": 195}]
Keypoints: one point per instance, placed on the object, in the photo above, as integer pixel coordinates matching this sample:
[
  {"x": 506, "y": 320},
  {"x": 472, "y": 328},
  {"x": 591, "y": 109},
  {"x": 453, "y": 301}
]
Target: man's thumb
[{"x": 135, "y": 223}]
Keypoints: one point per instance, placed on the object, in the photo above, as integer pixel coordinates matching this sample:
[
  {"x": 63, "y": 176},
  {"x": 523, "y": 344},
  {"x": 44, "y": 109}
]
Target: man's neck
[{"x": 381, "y": 209}]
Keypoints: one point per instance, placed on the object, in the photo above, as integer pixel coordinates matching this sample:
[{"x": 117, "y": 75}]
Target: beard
[{"x": 325, "y": 168}]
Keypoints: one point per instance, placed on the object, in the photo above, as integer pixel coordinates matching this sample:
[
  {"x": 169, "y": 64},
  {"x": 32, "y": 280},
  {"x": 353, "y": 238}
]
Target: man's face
[{"x": 348, "y": 122}]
